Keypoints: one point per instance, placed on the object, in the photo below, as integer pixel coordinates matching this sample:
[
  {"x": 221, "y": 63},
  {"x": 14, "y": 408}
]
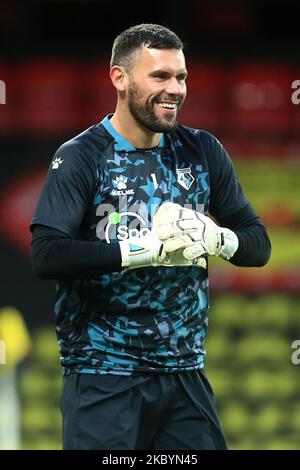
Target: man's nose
[{"x": 173, "y": 87}]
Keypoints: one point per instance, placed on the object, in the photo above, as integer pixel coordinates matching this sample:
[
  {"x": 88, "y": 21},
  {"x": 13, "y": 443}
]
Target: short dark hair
[{"x": 154, "y": 36}]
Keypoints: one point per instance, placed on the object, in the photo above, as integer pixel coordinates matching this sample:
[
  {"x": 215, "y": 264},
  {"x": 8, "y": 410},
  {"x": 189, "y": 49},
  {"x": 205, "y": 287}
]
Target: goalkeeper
[{"x": 122, "y": 224}]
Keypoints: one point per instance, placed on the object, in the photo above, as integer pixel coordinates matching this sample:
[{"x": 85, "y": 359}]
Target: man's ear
[{"x": 118, "y": 77}]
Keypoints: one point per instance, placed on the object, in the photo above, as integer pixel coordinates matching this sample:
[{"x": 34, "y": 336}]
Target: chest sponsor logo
[
  {"x": 136, "y": 226},
  {"x": 120, "y": 186},
  {"x": 185, "y": 177}
]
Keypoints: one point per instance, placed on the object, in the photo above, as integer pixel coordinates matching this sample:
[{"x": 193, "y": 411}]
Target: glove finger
[
  {"x": 176, "y": 258},
  {"x": 178, "y": 220},
  {"x": 165, "y": 231},
  {"x": 168, "y": 212},
  {"x": 194, "y": 251},
  {"x": 201, "y": 263},
  {"x": 168, "y": 230},
  {"x": 173, "y": 244},
  {"x": 187, "y": 225},
  {"x": 176, "y": 230},
  {"x": 168, "y": 206},
  {"x": 171, "y": 213}
]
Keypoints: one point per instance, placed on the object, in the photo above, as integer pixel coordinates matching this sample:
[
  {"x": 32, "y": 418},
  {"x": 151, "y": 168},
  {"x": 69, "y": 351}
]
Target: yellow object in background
[
  {"x": 14, "y": 336},
  {"x": 15, "y": 346}
]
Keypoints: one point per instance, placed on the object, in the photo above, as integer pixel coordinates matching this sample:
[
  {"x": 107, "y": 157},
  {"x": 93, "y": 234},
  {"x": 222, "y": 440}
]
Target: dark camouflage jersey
[{"x": 102, "y": 189}]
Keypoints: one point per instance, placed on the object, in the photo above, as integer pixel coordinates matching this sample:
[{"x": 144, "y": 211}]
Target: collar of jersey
[{"x": 120, "y": 142}]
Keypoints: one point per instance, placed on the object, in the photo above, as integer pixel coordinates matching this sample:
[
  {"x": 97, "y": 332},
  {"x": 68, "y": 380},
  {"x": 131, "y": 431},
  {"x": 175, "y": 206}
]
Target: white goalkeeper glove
[
  {"x": 141, "y": 252},
  {"x": 177, "y": 258},
  {"x": 193, "y": 232}
]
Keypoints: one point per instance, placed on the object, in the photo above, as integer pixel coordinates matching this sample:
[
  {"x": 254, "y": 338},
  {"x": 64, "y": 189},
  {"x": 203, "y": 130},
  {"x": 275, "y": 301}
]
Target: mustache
[{"x": 173, "y": 98}]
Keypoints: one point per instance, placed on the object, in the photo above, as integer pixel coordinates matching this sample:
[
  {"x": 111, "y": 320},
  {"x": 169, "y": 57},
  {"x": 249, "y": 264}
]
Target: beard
[{"x": 144, "y": 112}]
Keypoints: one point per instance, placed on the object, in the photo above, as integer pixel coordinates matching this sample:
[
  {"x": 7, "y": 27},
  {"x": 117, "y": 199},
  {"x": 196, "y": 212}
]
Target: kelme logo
[{"x": 120, "y": 186}]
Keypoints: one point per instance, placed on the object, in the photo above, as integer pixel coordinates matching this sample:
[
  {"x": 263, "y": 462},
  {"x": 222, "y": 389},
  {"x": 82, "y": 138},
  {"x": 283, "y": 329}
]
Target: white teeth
[{"x": 168, "y": 105}]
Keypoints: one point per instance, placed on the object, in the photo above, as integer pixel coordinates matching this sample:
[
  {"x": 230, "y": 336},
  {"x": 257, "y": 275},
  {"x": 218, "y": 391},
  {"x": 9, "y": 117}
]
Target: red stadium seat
[
  {"x": 19, "y": 197},
  {"x": 259, "y": 98},
  {"x": 10, "y": 90},
  {"x": 50, "y": 97},
  {"x": 98, "y": 96},
  {"x": 203, "y": 106}
]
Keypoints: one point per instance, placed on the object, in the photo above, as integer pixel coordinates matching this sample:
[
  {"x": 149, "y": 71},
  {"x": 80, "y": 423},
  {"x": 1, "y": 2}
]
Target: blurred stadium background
[{"x": 242, "y": 58}]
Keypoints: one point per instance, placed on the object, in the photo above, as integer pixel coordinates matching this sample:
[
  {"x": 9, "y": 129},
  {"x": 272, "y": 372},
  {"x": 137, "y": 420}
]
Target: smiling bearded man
[{"x": 157, "y": 113}]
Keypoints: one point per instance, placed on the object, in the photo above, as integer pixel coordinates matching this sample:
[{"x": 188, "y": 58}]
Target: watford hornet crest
[{"x": 185, "y": 177}]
